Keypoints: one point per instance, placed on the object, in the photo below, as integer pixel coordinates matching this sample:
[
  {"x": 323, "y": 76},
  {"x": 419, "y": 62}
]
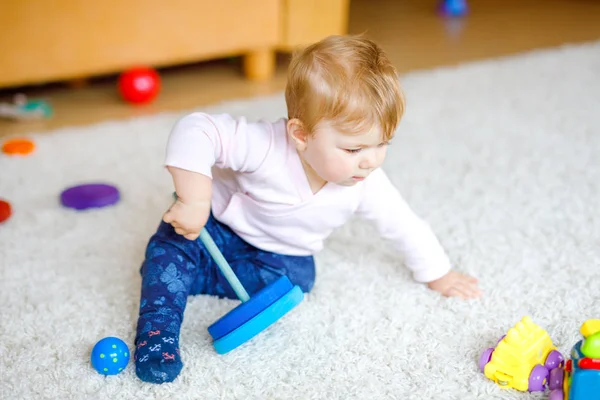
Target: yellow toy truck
[{"x": 522, "y": 359}]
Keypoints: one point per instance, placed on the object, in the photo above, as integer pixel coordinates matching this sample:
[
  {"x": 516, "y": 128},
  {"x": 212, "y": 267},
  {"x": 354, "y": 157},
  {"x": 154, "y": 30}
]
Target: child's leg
[
  {"x": 176, "y": 267},
  {"x": 170, "y": 268},
  {"x": 254, "y": 268}
]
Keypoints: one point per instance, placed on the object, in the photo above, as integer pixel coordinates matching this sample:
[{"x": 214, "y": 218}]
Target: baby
[{"x": 270, "y": 193}]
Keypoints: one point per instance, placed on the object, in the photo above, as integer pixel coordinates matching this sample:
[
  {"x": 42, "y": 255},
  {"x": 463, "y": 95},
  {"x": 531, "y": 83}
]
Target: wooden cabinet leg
[
  {"x": 78, "y": 83},
  {"x": 259, "y": 65}
]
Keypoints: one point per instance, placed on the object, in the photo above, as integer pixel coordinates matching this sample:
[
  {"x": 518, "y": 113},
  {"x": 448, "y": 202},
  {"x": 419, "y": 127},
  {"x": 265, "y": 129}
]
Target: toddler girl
[{"x": 270, "y": 193}]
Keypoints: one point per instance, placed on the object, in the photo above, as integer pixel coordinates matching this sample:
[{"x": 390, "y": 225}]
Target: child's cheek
[{"x": 343, "y": 170}]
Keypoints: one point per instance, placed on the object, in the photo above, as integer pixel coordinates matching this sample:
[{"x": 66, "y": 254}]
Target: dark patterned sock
[{"x": 157, "y": 358}]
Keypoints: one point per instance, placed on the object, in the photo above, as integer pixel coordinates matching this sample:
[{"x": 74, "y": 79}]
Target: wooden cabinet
[
  {"x": 42, "y": 41},
  {"x": 308, "y": 21}
]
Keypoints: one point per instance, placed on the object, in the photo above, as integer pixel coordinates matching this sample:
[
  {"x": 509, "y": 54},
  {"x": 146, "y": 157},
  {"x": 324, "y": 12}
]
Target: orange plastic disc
[
  {"x": 5, "y": 211},
  {"x": 18, "y": 146}
]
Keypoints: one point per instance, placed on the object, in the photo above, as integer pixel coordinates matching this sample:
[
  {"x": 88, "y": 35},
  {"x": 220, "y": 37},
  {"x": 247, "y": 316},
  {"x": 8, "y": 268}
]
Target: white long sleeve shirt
[{"x": 260, "y": 190}]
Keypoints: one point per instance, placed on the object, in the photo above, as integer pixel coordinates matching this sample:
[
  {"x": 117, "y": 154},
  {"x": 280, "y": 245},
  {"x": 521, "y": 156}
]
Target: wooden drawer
[
  {"x": 43, "y": 40},
  {"x": 308, "y": 21}
]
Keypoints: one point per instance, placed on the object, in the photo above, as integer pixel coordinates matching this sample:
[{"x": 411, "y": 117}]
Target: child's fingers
[
  {"x": 468, "y": 290},
  {"x": 191, "y": 236},
  {"x": 464, "y": 290},
  {"x": 168, "y": 217},
  {"x": 454, "y": 292},
  {"x": 475, "y": 288}
]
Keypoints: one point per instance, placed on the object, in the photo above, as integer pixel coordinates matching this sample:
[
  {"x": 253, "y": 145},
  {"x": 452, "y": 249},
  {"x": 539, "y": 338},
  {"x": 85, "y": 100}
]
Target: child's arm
[
  {"x": 423, "y": 253},
  {"x": 196, "y": 144},
  {"x": 190, "y": 211},
  {"x": 200, "y": 141}
]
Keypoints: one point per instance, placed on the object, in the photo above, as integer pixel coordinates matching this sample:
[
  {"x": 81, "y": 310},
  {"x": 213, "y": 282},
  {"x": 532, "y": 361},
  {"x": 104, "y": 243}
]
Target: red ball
[
  {"x": 5, "y": 210},
  {"x": 139, "y": 85}
]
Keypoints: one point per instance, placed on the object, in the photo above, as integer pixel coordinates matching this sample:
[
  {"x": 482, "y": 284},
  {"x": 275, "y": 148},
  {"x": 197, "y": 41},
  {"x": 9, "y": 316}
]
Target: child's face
[{"x": 342, "y": 158}]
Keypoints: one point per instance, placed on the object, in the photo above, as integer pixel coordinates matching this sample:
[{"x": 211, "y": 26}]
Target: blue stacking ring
[
  {"x": 260, "y": 322},
  {"x": 249, "y": 309}
]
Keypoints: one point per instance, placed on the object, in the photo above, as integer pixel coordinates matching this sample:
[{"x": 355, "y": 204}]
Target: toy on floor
[
  {"x": 5, "y": 210},
  {"x": 256, "y": 313},
  {"x": 21, "y": 109},
  {"x": 110, "y": 356},
  {"x": 91, "y": 195},
  {"x": 18, "y": 146},
  {"x": 580, "y": 379},
  {"x": 523, "y": 359},
  {"x": 453, "y": 8},
  {"x": 139, "y": 85}
]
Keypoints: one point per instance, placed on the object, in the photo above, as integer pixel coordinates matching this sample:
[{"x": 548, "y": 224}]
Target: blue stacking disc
[
  {"x": 249, "y": 309},
  {"x": 260, "y": 322}
]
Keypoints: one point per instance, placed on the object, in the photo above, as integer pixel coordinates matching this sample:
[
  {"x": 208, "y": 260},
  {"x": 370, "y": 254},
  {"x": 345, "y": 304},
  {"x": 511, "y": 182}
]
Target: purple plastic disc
[
  {"x": 556, "y": 394},
  {"x": 485, "y": 358},
  {"x": 538, "y": 379},
  {"x": 91, "y": 195},
  {"x": 554, "y": 360},
  {"x": 556, "y": 379}
]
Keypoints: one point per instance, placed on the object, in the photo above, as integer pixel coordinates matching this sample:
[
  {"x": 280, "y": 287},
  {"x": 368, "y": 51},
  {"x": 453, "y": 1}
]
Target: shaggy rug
[{"x": 500, "y": 157}]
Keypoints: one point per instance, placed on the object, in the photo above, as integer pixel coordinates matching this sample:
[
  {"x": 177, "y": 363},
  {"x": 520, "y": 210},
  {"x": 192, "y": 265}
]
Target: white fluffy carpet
[{"x": 501, "y": 157}]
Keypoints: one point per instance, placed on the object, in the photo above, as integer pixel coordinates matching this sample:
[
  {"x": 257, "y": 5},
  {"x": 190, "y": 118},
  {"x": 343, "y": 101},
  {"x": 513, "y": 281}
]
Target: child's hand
[
  {"x": 455, "y": 284},
  {"x": 188, "y": 219}
]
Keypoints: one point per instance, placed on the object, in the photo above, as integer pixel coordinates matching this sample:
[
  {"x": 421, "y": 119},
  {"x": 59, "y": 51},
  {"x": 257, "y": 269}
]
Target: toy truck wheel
[
  {"x": 499, "y": 340},
  {"x": 556, "y": 379},
  {"x": 554, "y": 360},
  {"x": 485, "y": 358},
  {"x": 538, "y": 378},
  {"x": 556, "y": 394}
]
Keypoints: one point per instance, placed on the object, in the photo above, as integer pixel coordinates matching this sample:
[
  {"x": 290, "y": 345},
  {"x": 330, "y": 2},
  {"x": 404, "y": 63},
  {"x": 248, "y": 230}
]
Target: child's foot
[{"x": 157, "y": 358}]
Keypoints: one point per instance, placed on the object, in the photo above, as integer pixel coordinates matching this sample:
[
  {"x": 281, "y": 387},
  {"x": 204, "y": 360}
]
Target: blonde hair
[{"x": 347, "y": 80}]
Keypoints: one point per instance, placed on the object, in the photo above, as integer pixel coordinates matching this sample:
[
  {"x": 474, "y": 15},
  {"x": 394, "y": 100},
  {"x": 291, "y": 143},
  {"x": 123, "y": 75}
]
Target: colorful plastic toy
[
  {"x": 522, "y": 359},
  {"x": 91, "y": 195},
  {"x": 5, "y": 210},
  {"x": 110, "y": 356},
  {"x": 21, "y": 109},
  {"x": 139, "y": 85},
  {"x": 18, "y": 146},
  {"x": 453, "y": 8},
  {"x": 580, "y": 379},
  {"x": 256, "y": 313}
]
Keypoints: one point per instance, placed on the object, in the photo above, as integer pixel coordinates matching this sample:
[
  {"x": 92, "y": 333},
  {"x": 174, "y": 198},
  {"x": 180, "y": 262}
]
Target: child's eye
[
  {"x": 352, "y": 151},
  {"x": 384, "y": 144}
]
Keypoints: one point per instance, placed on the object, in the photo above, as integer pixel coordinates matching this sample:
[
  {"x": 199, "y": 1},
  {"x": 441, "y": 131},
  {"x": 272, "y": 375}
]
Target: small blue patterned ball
[{"x": 110, "y": 356}]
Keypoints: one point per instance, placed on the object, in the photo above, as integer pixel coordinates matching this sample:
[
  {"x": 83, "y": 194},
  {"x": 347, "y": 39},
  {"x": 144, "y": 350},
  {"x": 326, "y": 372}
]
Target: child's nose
[{"x": 368, "y": 162}]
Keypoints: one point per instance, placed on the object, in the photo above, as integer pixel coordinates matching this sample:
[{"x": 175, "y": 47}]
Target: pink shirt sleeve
[
  {"x": 200, "y": 141},
  {"x": 395, "y": 220}
]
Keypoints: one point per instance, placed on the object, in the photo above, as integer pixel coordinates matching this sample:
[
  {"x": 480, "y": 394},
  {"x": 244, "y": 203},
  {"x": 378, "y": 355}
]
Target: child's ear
[{"x": 295, "y": 128}]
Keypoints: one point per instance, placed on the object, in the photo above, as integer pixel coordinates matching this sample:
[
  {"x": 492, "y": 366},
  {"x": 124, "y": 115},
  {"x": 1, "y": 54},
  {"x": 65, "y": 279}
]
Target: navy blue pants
[{"x": 175, "y": 268}]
